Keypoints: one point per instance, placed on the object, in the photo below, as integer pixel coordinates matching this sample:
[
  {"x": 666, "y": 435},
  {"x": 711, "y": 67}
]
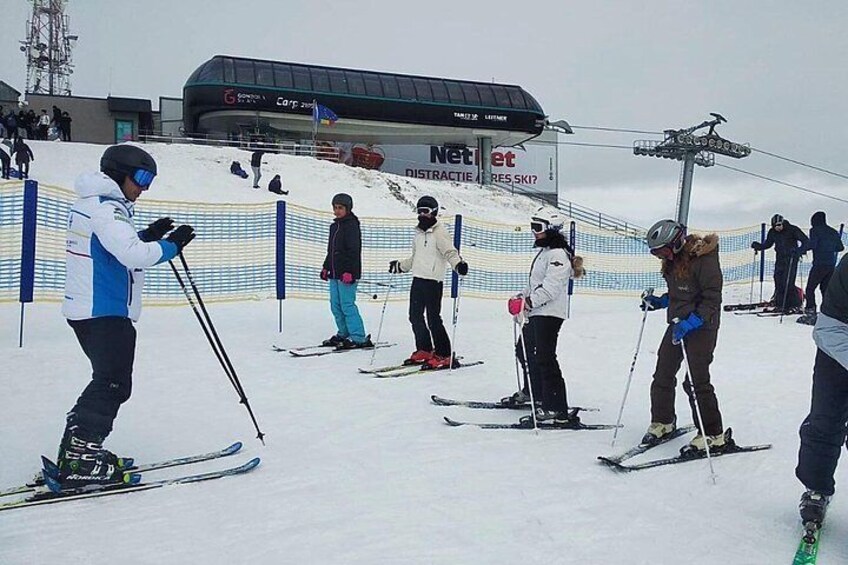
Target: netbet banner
[{"x": 534, "y": 167}]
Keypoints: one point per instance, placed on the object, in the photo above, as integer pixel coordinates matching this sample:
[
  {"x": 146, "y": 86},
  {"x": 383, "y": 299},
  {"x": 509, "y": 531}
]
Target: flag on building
[{"x": 323, "y": 115}]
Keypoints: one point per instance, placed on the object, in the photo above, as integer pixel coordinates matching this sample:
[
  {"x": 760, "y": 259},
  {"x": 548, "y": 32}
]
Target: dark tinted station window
[
  {"x": 440, "y": 93},
  {"x": 472, "y": 97},
  {"x": 372, "y": 85},
  {"x": 390, "y": 86},
  {"x": 487, "y": 97},
  {"x": 422, "y": 89},
  {"x": 244, "y": 72},
  {"x": 264, "y": 73},
  {"x": 355, "y": 84},
  {"x": 229, "y": 71},
  {"x": 213, "y": 71},
  {"x": 501, "y": 96},
  {"x": 407, "y": 90},
  {"x": 301, "y": 78},
  {"x": 338, "y": 84},
  {"x": 515, "y": 97},
  {"x": 282, "y": 75},
  {"x": 320, "y": 80},
  {"x": 455, "y": 92}
]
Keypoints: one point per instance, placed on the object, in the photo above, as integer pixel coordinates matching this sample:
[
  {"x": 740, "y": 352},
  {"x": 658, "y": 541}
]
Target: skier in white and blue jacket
[{"x": 105, "y": 262}]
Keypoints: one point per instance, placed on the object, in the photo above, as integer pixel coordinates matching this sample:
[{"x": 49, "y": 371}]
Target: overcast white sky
[{"x": 775, "y": 69}]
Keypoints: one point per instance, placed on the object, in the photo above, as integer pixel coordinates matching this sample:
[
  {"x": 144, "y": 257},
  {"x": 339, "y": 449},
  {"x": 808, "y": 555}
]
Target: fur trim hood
[{"x": 701, "y": 245}]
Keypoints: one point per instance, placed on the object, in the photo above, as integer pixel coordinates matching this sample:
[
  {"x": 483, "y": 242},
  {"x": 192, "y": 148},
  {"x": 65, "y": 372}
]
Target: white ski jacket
[
  {"x": 432, "y": 250},
  {"x": 104, "y": 255},
  {"x": 548, "y": 288}
]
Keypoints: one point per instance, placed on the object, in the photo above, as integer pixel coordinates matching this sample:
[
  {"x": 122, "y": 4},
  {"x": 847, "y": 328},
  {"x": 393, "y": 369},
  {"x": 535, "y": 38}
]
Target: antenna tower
[{"x": 48, "y": 49}]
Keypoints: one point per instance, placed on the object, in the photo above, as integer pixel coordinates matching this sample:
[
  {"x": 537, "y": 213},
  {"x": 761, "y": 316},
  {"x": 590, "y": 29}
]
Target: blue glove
[
  {"x": 651, "y": 302},
  {"x": 683, "y": 327}
]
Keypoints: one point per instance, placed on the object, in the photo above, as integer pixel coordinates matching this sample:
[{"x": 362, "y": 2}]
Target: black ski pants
[
  {"x": 819, "y": 277},
  {"x": 5, "y": 163},
  {"x": 109, "y": 343},
  {"x": 700, "y": 345},
  {"x": 540, "y": 339},
  {"x": 425, "y": 297},
  {"x": 785, "y": 272},
  {"x": 23, "y": 169},
  {"x": 823, "y": 431}
]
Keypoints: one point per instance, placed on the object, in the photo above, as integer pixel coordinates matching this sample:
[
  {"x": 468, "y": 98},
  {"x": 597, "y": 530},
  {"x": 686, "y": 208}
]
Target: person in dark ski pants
[
  {"x": 276, "y": 186},
  {"x": 825, "y": 244},
  {"x": 5, "y": 162},
  {"x": 691, "y": 269},
  {"x": 256, "y": 165},
  {"x": 105, "y": 262},
  {"x": 544, "y": 303},
  {"x": 342, "y": 269},
  {"x": 23, "y": 156},
  {"x": 790, "y": 243},
  {"x": 432, "y": 251},
  {"x": 823, "y": 431}
]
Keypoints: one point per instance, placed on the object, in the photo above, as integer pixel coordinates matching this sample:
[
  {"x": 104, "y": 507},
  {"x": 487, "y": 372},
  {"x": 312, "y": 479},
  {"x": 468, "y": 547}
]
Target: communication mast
[{"x": 48, "y": 49}]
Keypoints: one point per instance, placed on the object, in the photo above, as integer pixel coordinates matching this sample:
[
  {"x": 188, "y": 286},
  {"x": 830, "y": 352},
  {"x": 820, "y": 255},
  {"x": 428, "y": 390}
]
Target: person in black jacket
[
  {"x": 23, "y": 155},
  {"x": 276, "y": 185},
  {"x": 256, "y": 165},
  {"x": 5, "y": 162},
  {"x": 823, "y": 431},
  {"x": 343, "y": 268},
  {"x": 789, "y": 244},
  {"x": 825, "y": 244}
]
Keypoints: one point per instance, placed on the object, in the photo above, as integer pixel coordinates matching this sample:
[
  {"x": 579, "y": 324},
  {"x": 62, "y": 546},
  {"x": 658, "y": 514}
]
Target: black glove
[
  {"x": 462, "y": 268},
  {"x": 157, "y": 229},
  {"x": 181, "y": 237},
  {"x": 394, "y": 266},
  {"x": 756, "y": 245}
]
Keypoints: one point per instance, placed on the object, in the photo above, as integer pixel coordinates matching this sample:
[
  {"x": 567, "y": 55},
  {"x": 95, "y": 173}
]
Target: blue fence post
[
  {"x": 762, "y": 258},
  {"x": 27, "y": 279},
  {"x": 281, "y": 259},
  {"x": 572, "y": 237},
  {"x": 457, "y": 242}
]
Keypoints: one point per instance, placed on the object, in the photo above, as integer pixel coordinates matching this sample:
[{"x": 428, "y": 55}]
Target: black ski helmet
[
  {"x": 428, "y": 202},
  {"x": 123, "y": 160},
  {"x": 777, "y": 219},
  {"x": 343, "y": 199}
]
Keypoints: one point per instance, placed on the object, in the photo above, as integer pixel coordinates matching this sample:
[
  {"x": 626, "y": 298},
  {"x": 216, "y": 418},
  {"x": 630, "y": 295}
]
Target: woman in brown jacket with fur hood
[{"x": 691, "y": 269}]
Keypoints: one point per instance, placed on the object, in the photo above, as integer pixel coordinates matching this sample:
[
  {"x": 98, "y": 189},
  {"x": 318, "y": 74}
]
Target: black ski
[
  {"x": 178, "y": 461},
  {"x": 439, "y": 401},
  {"x": 327, "y": 350},
  {"x": 529, "y": 425},
  {"x": 730, "y": 450},
  {"x": 614, "y": 460},
  {"x": 745, "y": 306},
  {"x": 92, "y": 491}
]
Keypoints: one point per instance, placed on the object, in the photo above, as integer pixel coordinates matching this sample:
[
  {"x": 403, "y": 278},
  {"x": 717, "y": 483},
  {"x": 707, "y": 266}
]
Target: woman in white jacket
[
  {"x": 545, "y": 303},
  {"x": 432, "y": 251}
]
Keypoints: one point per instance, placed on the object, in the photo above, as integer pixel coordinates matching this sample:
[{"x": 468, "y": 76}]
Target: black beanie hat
[
  {"x": 343, "y": 200},
  {"x": 428, "y": 202}
]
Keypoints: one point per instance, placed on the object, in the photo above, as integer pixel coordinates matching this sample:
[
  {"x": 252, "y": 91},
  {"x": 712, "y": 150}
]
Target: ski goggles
[
  {"x": 538, "y": 226},
  {"x": 143, "y": 178},
  {"x": 664, "y": 252},
  {"x": 426, "y": 211}
]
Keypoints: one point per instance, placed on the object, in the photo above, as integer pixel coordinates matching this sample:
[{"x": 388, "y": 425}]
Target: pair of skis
[
  {"x": 402, "y": 370},
  {"x": 524, "y": 424},
  {"x": 319, "y": 350},
  {"x": 617, "y": 462},
  {"x": 746, "y": 306},
  {"x": 37, "y": 493}
]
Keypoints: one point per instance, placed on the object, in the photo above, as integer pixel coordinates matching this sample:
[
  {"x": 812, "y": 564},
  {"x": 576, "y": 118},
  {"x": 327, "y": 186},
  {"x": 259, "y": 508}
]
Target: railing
[{"x": 318, "y": 150}]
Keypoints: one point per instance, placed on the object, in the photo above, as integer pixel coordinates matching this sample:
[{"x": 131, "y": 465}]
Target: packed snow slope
[{"x": 363, "y": 470}]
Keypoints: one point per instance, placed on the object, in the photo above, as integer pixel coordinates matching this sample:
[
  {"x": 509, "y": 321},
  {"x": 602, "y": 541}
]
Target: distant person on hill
[
  {"x": 276, "y": 185},
  {"x": 432, "y": 251},
  {"x": 105, "y": 262},
  {"x": 342, "y": 269},
  {"x": 692, "y": 272},
  {"x": 823, "y": 431},
  {"x": 256, "y": 165},
  {"x": 235, "y": 168},
  {"x": 5, "y": 162},
  {"x": 789, "y": 244},
  {"x": 65, "y": 126},
  {"x": 12, "y": 125},
  {"x": 43, "y": 125},
  {"x": 825, "y": 244},
  {"x": 23, "y": 155}
]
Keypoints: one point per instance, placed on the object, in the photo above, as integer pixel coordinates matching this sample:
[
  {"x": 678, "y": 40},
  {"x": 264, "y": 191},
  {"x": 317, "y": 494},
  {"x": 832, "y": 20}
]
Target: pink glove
[
  {"x": 325, "y": 275},
  {"x": 515, "y": 305},
  {"x": 347, "y": 278}
]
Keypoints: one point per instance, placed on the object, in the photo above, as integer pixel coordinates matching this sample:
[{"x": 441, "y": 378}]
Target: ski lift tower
[
  {"x": 693, "y": 149},
  {"x": 47, "y": 49}
]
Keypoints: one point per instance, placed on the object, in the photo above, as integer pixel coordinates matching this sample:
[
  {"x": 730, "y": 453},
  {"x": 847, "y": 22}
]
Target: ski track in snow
[{"x": 362, "y": 470}]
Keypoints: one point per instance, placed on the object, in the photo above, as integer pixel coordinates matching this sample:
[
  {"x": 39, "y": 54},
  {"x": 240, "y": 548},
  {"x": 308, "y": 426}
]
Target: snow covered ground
[{"x": 362, "y": 470}]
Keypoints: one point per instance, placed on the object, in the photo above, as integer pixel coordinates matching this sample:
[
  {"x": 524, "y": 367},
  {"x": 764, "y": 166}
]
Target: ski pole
[
  {"x": 648, "y": 292},
  {"x": 514, "y": 343},
  {"x": 455, "y": 321},
  {"x": 216, "y": 345},
  {"x": 688, "y": 379},
  {"x": 389, "y": 288},
  {"x": 520, "y": 321},
  {"x": 786, "y": 290},
  {"x": 377, "y": 283},
  {"x": 753, "y": 275}
]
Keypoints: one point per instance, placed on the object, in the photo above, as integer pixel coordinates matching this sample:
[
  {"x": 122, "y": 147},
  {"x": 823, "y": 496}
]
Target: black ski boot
[
  {"x": 348, "y": 343},
  {"x": 83, "y": 461},
  {"x": 333, "y": 341},
  {"x": 813, "y": 507},
  {"x": 519, "y": 398},
  {"x": 564, "y": 418}
]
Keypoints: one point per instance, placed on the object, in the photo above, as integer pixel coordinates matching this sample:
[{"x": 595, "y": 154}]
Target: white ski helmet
[
  {"x": 546, "y": 220},
  {"x": 666, "y": 233}
]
